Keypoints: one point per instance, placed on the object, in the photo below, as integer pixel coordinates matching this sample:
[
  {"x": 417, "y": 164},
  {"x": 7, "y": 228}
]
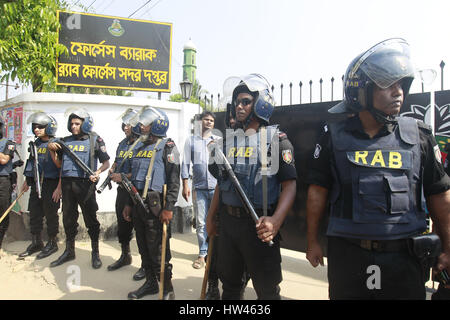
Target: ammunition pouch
[
  {"x": 154, "y": 203},
  {"x": 426, "y": 248}
]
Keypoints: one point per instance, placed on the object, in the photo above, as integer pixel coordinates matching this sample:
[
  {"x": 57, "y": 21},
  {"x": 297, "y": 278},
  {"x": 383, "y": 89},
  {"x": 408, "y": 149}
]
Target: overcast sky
[{"x": 289, "y": 40}]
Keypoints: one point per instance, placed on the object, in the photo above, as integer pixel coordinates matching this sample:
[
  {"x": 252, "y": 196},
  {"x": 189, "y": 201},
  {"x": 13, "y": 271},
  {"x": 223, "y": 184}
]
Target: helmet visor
[
  {"x": 78, "y": 112},
  {"x": 387, "y": 62},
  {"x": 130, "y": 117},
  {"x": 148, "y": 115},
  {"x": 254, "y": 82}
]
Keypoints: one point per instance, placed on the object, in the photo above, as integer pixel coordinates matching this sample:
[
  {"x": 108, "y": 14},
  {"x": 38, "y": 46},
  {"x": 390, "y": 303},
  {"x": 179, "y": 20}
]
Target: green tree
[{"x": 28, "y": 42}]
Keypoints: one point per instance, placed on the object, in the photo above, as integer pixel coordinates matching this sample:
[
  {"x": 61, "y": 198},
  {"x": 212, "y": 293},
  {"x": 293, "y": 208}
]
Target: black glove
[{"x": 17, "y": 163}]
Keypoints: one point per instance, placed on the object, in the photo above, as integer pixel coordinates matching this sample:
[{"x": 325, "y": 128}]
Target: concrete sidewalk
[{"x": 76, "y": 280}]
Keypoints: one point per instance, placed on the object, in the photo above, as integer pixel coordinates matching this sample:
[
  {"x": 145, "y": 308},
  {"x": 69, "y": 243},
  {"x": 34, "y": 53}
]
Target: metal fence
[{"x": 293, "y": 93}]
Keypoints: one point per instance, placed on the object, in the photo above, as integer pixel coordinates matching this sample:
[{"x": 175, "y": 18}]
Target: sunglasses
[
  {"x": 38, "y": 126},
  {"x": 244, "y": 102}
]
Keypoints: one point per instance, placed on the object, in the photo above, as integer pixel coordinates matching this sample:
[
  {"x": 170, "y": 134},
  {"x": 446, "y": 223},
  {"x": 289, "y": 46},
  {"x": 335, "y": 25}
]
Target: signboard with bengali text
[{"x": 113, "y": 52}]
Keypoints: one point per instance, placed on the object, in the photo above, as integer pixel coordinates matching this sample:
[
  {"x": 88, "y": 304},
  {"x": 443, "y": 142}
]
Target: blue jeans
[{"x": 204, "y": 197}]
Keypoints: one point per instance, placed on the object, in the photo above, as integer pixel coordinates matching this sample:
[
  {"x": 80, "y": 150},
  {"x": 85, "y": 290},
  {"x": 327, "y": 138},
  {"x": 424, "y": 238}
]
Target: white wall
[{"x": 106, "y": 112}]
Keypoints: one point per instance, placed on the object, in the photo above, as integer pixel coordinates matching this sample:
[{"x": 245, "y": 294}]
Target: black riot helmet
[{"x": 383, "y": 65}]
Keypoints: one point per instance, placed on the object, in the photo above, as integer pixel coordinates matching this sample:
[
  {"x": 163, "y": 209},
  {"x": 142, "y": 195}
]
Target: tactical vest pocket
[
  {"x": 382, "y": 199},
  {"x": 398, "y": 199}
]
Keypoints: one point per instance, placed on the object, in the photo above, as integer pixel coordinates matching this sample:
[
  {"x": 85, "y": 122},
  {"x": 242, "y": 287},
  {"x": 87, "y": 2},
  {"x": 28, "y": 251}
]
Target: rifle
[
  {"x": 107, "y": 181},
  {"x": 134, "y": 194},
  {"x": 37, "y": 180},
  {"x": 244, "y": 199},
  {"x": 75, "y": 158}
]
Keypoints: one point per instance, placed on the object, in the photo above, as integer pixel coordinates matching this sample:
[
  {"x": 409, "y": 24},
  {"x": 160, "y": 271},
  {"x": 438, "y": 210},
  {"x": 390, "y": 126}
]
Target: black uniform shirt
[
  {"x": 435, "y": 180},
  {"x": 287, "y": 169}
]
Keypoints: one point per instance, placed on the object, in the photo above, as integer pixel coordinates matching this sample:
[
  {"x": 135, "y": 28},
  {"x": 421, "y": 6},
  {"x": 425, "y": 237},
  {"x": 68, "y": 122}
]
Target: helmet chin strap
[
  {"x": 379, "y": 116},
  {"x": 382, "y": 117}
]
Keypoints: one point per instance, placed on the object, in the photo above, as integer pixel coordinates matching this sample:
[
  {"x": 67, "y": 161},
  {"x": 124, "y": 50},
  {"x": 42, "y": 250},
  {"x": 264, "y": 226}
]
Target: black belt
[
  {"x": 239, "y": 212},
  {"x": 380, "y": 245}
]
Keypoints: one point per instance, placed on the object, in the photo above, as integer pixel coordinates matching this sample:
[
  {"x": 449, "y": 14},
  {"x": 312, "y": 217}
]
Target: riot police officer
[
  {"x": 78, "y": 189},
  {"x": 47, "y": 203},
  {"x": 7, "y": 148},
  {"x": 377, "y": 169},
  {"x": 122, "y": 165},
  {"x": 243, "y": 245},
  {"x": 155, "y": 163}
]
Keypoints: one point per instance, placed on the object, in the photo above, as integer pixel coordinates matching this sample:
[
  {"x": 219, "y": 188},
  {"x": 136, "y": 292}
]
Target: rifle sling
[{"x": 149, "y": 171}]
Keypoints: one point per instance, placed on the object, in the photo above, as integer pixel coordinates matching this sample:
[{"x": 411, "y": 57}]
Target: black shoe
[
  {"x": 124, "y": 259},
  {"x": 50, "y": 248},
  {"x": 139, "y": 275},
  {"x": 35, "y": 246},
  {"x": 68, "y": 254},
  {"x": 150, "y": 286},
  {"x": 213, "y": 292},
  {"x": 96, "y": 262}
]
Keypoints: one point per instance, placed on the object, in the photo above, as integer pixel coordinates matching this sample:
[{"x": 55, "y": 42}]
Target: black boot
[
  {"x": 213, "y": 292},
  {"x": 140, "y": 274},
  {"x": 68, "y": 254},
  {"x": 150, "y": 286},
  {"x": 50, "y": 248},
  {"x": 168, "y": 293},
  {"x": 124, "y": 259},
  {"x": 35, "y": 246},
  {"x": 96, "y": 262}
]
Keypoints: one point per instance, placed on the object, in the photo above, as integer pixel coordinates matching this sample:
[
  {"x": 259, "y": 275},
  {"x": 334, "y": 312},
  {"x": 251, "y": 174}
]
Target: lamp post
[{"x": 186, "y": 89}]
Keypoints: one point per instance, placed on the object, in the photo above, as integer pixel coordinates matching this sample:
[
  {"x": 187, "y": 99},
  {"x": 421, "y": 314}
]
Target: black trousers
[
  {"x": 44, "y": 207},
  {"x": 149, "y": 239},
  {"x": 241, "y": 250},
  {"x": 357, "y": 273},
  {"x": 74, "y": 193},
  {"x": 124, "y": 228},
  {"x": 5, "y": 202}
]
